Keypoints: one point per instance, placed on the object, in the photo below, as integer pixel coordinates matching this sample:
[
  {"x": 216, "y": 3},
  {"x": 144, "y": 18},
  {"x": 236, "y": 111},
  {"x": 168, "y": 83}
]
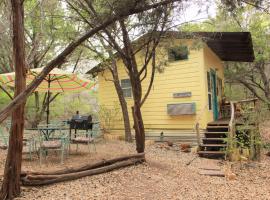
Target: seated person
[{"x": 77, "y": 116}]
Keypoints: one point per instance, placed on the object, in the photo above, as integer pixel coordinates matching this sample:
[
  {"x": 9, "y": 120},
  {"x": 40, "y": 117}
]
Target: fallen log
[
  {"x": 46, "y": 177},
  {"x": 85, "y": 167},
  {"x": 39, "y": 180}
]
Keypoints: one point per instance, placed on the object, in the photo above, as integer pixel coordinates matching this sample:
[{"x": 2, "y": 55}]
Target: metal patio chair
[
  {"x": 87, "y": 138},
  {"x": 57, "y": 142},
  {"x": 28, "y": 142}
]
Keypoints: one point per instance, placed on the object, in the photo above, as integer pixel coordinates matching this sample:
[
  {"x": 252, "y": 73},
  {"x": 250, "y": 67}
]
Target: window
[
  {"x": 178, "y": 53},
  {"x": 126, "y": 87},
  {"x": 209, "y": 82}
]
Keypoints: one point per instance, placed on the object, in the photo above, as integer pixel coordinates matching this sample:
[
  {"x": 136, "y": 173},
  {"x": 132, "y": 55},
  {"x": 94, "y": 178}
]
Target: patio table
[{"x": 47, "y": 131}]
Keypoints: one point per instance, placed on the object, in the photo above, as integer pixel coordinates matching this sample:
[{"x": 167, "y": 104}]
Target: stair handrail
[{"x": 232, "y": 118}]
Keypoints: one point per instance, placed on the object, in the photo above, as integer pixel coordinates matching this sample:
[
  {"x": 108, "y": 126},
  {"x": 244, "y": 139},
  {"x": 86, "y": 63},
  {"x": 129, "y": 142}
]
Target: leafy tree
[
  {"x": 117, "y": 41},
  {"x": 47, "y": 27}
]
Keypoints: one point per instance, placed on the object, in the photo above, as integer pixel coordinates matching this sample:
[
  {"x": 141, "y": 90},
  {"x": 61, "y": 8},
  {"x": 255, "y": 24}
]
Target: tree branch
[
  {"x": 77, "y": 61},
  {"x": 152, "y": 78},
  {"x": 248, "y": 86},
  {"x": 20, "y": 98},
  {"x": 6, "y": 92}
]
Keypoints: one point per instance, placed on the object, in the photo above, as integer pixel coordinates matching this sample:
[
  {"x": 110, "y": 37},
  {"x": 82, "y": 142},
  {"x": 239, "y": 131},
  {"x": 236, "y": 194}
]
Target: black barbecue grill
[{"x": 80, "y": 123}]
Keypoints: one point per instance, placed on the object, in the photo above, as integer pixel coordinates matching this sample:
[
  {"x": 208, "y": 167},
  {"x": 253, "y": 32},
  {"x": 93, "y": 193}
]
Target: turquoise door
[{"x": 214, "y": 94}]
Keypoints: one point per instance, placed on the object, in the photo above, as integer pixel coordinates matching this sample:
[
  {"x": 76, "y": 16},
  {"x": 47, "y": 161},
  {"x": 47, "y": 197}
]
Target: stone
[
  {"x": 170, "y": 143},
  {"x": 184, "y": 147}
]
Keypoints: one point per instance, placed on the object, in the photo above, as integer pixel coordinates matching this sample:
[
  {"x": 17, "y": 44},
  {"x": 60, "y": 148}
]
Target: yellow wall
[{"x": 178, "y": 76}]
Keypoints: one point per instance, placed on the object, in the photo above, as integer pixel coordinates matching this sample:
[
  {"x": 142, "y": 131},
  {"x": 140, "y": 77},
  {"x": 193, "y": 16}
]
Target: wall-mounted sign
[{"x": 181, "y": 94}]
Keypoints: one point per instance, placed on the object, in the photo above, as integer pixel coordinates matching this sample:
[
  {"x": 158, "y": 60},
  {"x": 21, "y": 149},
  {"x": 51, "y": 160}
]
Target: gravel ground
[{"x": 164, "y": 176}]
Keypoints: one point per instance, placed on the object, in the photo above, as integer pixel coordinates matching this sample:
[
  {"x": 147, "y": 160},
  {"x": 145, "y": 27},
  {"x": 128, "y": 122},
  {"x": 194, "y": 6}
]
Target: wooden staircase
[{"x": 214, "y": 142}]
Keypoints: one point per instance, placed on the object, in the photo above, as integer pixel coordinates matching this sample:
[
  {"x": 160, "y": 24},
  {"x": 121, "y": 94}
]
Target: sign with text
[{"x": 182, "y": 94}]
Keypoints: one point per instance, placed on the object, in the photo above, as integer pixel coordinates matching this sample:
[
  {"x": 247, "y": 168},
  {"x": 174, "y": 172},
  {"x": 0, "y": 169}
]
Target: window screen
[
  {"x": 126, "y": 87},
  {"x": 178, "y": 53}
]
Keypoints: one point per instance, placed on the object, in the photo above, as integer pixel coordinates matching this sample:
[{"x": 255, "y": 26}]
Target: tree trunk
[
  {"x": 11, "y": 183},
  {"x": 136, "y": 111},
  {"x": 123, "y": 104},
  {"x": 37, "y": 114},
  {"x": 139, "y": 128}
]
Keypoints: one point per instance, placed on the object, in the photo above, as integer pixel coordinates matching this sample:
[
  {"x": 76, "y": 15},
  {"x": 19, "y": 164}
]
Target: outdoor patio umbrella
[{"x": 56, "y": 81}]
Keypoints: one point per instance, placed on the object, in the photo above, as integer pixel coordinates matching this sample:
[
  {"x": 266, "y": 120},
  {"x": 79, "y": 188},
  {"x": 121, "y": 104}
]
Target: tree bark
[
  {"x": 123, "y": 103},
  {"x": 11, "y": 183},
  {"x": 139, "y": 127}
]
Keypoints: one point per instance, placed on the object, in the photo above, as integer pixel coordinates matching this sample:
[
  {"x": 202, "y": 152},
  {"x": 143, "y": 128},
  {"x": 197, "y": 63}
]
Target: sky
[{"x": 198, "y": 11}]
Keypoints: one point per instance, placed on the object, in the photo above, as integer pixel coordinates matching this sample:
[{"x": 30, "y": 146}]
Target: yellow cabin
[{"x": 189, "y": 87}]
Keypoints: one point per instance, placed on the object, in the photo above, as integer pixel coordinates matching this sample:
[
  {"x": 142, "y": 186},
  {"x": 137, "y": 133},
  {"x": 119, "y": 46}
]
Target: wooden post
[{"x": 197, "y": 127}]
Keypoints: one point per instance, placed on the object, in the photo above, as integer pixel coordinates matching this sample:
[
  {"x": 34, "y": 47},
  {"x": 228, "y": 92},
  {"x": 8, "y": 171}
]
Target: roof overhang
[{"x": 228, "y": 46}]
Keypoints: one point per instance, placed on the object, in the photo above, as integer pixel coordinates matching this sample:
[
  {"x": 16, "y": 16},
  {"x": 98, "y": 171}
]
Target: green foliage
[
  {"x": 4, "y": 99},
  {"x": 236, "y": 92},
  {"x": 248, "y": 137},
  {"x": 109, "y": 116},
  {"x": 47, "y": 27},
  {"x": 64, "y": 106}
]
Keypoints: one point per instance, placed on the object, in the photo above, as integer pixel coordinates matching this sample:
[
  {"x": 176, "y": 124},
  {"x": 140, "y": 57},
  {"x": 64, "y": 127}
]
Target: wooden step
[
  {"x": 216, "y": 127},
  {"x": 213, "y": 145},
  {"x": 220, "y": 121},
  {"x": 216, "y": 132},
  {"x": 219, "y": 139},
  {"x": 215, "y": 135},
  {"x": 211, "y": 152},
  {"x": 214, "y": 140},
  {"x": 218, "y": 124}
]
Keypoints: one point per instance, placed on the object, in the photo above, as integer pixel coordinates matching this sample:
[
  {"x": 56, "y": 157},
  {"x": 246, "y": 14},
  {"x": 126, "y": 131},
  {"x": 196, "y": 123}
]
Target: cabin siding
[{"x": 178, "y": 76}]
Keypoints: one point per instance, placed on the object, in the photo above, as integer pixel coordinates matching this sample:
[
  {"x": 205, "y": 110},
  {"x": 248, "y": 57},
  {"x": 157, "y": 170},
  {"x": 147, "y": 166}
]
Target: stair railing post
[
  {"x": 197, "y": 128},
  {"x": 231, "y": 131}
]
